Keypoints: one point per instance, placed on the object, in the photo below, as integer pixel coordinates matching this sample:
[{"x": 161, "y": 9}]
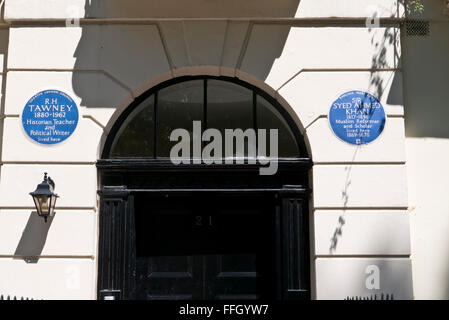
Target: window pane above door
[
  {"x": 214, "y": 103},
  {"x": 268, "y": 117},
  {"x": 229, "y": 106},
  {"x": 177, "y": 107},
  {"x": 135, "y": 138}
]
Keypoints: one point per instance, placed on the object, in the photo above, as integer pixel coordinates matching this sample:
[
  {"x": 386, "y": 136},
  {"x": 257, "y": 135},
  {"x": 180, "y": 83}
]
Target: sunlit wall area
[
  {"x": 426, "y": 97},
  {"x": 303, "y": 55}
]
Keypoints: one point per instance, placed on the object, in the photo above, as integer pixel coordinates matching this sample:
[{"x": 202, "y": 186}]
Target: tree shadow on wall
[
  {"x": 114, "y": 59},
  {"x": 386, "y": 56},
  {"x": 425, "y": 85},
  {"x": 378, "y": 85}
]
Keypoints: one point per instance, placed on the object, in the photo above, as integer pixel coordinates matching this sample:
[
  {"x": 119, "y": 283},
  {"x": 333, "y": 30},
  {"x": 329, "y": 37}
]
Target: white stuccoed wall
[
  {"x": 361, "y": 191},
  {"x": 426, "y": 68}
]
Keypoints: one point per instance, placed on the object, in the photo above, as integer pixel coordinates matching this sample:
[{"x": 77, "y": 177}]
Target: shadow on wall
[
  {"x": 378, "y": 82},
  {"x": 426, "y": 83},
  {"x": 4, "y": 42},
  {"x": 33, "y": 238},
  {"x": 389, "y": 39},
  {"x": 426, "y": 94},
  {"x": 114, "y": 59},
  {"x": 426, "y": 77}
]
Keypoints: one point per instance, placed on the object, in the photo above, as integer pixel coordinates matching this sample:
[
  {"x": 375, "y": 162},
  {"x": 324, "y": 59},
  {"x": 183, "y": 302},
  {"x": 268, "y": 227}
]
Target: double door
[
  {"x": 205, "y": 248},
  {"x": 203, "y": 245}
]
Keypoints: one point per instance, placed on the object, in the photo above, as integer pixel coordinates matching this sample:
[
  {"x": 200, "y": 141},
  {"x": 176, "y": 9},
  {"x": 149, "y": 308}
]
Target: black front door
[{"x": 205, "y": 247}]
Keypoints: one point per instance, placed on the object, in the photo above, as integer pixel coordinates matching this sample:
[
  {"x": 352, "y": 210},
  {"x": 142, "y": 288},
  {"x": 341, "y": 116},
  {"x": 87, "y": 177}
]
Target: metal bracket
[
  {"x": 113, "y": 191},
  {"x": 110, "y": 295}
]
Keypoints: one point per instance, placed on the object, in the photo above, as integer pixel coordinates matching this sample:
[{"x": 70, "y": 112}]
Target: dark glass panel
[
  {"x": 229, "y": 106},
  {"x": 268, "y": 117},
  {"x": 135, "y": 139},
  {"x": 177, "y": 107}
]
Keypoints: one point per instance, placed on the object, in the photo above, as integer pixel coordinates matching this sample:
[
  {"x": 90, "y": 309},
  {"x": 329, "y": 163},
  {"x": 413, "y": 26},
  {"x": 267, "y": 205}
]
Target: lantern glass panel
[
  {"x": 44, "y": 202},
  {"x": 52, "y": 204},
  {"x": 37, "y": 204}
]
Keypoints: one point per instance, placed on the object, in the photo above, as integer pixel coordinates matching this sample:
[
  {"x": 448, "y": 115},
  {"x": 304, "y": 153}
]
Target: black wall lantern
[{"x": 44, "y": 198}]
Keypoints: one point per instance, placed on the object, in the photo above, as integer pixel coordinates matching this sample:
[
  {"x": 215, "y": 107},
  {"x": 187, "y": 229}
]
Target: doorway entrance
[
  {"x": 205, "y": 247},
  {"x": 195, "y": 231}
]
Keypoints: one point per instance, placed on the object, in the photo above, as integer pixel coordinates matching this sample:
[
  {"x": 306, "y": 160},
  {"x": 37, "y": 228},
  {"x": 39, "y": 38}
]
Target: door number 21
[{"x": 203, "y": 221}]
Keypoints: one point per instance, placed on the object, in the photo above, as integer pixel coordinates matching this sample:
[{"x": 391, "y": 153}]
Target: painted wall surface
[
  {"x": 359, "y": 215},
  {"x": 426, "y": 70}
]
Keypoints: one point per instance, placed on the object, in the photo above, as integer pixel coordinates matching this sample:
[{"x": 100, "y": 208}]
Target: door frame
[{"x": 116, "y": 257}]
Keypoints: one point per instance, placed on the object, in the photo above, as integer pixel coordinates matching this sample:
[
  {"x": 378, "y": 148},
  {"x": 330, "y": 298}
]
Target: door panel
[
  {"x": 116, "y": 253},
  {"x": 232, "y": 276},
  {"x": 295, "y": 282},
  {"x": 174, "y": 278},
  {"x": 208, "y": 248}
]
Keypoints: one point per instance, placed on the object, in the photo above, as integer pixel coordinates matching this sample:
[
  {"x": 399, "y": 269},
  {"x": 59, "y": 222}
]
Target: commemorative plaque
[
  {"x": 50, "y": 117},
  {"x": 357, "y": 117}
]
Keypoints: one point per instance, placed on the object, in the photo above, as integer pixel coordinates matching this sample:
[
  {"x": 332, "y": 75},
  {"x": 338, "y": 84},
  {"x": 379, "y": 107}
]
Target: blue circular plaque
[
  {"x": 357, "y": 117},
  {"x": 50, "y": 117}
]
